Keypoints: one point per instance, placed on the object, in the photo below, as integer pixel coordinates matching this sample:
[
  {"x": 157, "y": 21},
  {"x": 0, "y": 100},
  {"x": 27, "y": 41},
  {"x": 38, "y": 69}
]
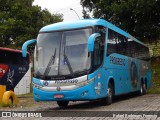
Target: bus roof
[
  {"x": 73, "y": 24},
  {"x": 86, "y": 23}
]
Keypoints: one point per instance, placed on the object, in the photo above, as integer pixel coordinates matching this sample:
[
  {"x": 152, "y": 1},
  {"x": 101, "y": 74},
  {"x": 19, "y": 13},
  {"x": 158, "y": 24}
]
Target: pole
[{"x": 75, "y": 12}]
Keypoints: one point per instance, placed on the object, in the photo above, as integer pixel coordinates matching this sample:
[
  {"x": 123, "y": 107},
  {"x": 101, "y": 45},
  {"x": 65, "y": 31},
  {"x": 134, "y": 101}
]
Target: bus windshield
[{"x": 62, "y": 53}]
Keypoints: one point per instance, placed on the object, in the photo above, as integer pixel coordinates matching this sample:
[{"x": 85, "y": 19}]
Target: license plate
[{"x": 58, "y": 96}]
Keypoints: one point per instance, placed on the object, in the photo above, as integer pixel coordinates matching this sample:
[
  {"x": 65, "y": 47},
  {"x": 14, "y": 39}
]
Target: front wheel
[
  {"x": 108, "y": 100},
  {"x": 62, "y": 103},
  {"x": 143, "y": 89}
]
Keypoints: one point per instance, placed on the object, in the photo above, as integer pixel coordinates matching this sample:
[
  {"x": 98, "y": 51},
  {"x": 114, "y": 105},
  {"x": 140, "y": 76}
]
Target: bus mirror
[
  {"x": 25, "y": 45},
  {"x": 91, "y": 41}
]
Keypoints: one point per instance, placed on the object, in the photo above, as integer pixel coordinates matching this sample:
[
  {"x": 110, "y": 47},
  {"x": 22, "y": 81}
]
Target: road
[
  {"x": 120, "y": 103},
  {"x": 95, "y": 110},
  {"x": 124, "y": 107}
]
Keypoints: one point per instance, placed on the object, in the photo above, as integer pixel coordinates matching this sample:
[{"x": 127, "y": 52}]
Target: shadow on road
[{"x": 93, "y": 104}]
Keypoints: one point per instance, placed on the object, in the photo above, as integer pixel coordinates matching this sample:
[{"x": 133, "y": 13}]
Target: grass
[
  {"x": 25, "y": 100},
  {"x": 155, "y": 89},
  {"x": 1, "y": 105}
]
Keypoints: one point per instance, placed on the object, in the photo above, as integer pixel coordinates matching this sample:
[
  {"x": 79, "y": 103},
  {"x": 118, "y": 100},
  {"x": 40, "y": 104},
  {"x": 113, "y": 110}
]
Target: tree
[
  {"x": 141, "y": 18},
  {"x": 20, "y": 21}
]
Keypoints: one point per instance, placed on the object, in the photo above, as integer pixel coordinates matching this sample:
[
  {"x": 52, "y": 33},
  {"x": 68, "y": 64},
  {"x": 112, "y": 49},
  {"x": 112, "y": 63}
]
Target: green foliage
[
  {"x": 20, "y": 21},
  {"x": 155, "y": 89},
  {"x": 140, "y": 18}
]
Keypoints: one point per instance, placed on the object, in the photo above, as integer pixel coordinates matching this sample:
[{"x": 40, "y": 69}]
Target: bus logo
[
  {"x": 58, "y": 88},
  {"x": 45, "y": 83}
]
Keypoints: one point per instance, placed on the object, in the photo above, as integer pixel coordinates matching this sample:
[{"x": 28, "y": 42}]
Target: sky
[{"x": 63, "y": 7}]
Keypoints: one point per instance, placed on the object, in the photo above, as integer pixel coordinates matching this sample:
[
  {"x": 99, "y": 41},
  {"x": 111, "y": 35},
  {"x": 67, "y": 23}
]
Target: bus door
[{"x": 98, "y": 66}]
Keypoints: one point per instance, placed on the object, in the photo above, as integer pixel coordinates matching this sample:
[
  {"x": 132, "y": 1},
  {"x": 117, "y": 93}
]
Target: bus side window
[
  {"x": 117, "y": 43},
  {"x": 112, "y": 42}
]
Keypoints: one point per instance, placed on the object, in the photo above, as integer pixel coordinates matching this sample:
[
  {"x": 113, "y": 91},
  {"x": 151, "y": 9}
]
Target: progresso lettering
[
  {"x": 66, "y": 81},
  {"x": 117, "y": 61}
]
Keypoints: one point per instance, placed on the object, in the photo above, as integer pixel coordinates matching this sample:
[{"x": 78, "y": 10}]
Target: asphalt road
[
  {"x": 130, "y": 102},
  {"x": 124, "y": 107}
]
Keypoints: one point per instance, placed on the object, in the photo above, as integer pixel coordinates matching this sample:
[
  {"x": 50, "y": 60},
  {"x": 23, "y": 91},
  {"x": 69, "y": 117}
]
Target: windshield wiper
[
  {"x": 68, "y": 63},
  {"x": 51, "y": 62}
]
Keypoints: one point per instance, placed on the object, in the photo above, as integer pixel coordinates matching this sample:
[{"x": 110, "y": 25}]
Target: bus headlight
[
  {"x": 37, "y": 82},
  {"x": 36, "y": 86}
]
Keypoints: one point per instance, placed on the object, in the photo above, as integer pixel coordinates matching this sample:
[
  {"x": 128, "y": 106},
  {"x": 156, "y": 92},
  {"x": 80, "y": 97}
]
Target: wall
[
  {"x": 155, "y": 48},
  {"x": 24, "y": 85}
]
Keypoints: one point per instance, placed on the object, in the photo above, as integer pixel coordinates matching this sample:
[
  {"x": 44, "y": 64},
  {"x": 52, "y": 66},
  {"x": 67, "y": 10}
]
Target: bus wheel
[
  {"x": 109, "y": 98},
  {"x": 62, "y": 103},
  {"x": 143, "y": 89}
]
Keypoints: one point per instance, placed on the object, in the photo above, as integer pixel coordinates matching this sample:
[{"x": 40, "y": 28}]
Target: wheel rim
[
  {"x": 144, "y": 86},
  {"x": 141, "y": 89}
]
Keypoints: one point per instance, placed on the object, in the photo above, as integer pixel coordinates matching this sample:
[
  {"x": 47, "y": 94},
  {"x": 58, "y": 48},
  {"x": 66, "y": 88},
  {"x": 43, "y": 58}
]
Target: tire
[
  {"x": 143, "y": 89},
  {"x": 108, "y": 100},
  {"x": 9, "y": 99},
  {"x": 62, "y": 103}
]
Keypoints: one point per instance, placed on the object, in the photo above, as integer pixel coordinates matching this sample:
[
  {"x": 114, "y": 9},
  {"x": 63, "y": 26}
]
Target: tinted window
[
  {"x": 138, "y": 50},
  {"x": 98, "y": 52},
  {"x": 99, "y": 47},
  {"x": 8, "y": 57},
  {"x": 117, "y": 43},
  {"x": 124, "y": 46}
]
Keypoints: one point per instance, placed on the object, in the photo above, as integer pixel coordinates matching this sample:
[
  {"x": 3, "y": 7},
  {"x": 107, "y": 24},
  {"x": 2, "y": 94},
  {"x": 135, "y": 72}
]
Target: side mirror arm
[{"x": 25, "y": 45}]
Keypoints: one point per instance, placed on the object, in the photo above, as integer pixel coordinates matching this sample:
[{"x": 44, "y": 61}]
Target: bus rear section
[
  {"x": 129, "y": 62},
  {"x": 13, "y": 68}
]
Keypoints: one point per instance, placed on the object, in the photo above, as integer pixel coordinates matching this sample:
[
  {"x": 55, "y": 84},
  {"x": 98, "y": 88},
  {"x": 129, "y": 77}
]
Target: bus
[
  {"x": 13, "y": 68},
  {"x": 87, "y": 59}
]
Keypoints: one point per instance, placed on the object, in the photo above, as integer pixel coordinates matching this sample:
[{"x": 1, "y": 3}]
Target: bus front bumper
[{"x": 86, "y": 92}]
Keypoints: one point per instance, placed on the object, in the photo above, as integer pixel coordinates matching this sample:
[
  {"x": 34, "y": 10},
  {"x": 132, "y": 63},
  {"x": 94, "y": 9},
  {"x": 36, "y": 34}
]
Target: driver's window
[
  {"x": 98, "y": 52},
  {"x": 96, "y": 55}
]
